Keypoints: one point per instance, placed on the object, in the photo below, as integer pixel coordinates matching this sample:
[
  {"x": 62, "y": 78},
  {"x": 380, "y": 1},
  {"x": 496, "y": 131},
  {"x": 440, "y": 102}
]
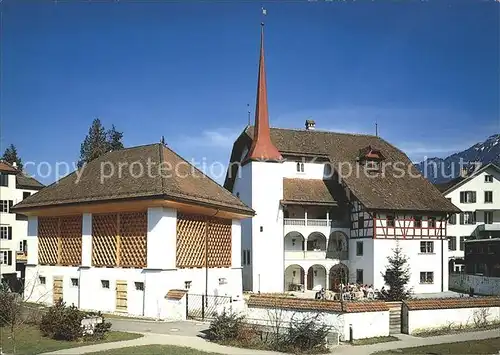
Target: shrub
[
  {"x": 62, "y": 323},
  {"x": 307, "y": 335},
  {"x": 9, "y": 307},
  {"x": 225, "y": 327},
  {"x": 100, "y": 329}
]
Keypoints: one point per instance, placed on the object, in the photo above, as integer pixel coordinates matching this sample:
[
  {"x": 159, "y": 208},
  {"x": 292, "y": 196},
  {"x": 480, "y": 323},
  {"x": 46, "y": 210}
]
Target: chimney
[
  {"x": 310, "y": 125},
  {"x": 14, "y": 165},
  {"x": 464, "y": 172}
]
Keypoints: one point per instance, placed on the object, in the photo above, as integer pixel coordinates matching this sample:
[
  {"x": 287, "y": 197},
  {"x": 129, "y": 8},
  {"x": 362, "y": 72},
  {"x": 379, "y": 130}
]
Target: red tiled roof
[
  {"x": 7, "y": 168},
  {"x": 176, "y": 294},
  {"x": 444, "y": 303},
  {"x": 303, "y": 304}
]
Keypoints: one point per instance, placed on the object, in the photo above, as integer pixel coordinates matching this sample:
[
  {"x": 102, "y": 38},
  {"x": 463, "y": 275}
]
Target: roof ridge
[
  {"x": 319, "y": 131},
  {"x": 208, "y": 177}
]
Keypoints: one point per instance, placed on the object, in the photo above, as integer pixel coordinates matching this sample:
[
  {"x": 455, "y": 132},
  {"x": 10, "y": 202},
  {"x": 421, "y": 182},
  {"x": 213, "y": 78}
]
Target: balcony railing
[
  {"x": 315, "y": 254},
  {"x": 315, "y": 222}
]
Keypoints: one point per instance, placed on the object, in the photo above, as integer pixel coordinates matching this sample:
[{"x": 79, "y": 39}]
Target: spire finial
[{"x": 262, "y": 147}]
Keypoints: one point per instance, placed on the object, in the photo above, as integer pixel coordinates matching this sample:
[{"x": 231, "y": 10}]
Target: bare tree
[{"x": 15, "y": 313}]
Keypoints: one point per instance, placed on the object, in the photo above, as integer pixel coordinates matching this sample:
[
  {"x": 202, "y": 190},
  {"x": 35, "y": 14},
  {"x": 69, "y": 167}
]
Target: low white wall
[
  {"x": 481, "y": 284},
  {"x": 151, "y": 302},
  {"x": 364, "y": 324},
  {"x": 420, "y": 320},
  {"x": 176, "y": 309}
]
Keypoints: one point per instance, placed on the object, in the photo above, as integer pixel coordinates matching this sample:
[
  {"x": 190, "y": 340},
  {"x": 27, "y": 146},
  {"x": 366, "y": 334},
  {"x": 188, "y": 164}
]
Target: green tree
[
  {"x": 95, "y": 143},
  {"x": 10, "y": 156},
  {"x": 397, "y": 275},
  {"x": 115, "y": 139}
]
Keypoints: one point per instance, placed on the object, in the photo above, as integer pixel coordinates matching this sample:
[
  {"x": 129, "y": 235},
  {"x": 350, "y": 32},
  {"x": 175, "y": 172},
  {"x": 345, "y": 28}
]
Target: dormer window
[
  {"x": 371, "y": 158},
  {"x": 300, "y": 167}
]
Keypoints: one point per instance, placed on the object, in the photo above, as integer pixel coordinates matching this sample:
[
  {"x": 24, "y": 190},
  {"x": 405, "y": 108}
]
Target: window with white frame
[
  {"x": 359, "y": 276},
  {"x": 390, "y": 220},
  {"x": 300, "y": 167},
  {"x": 4, "y": 179},
  {"x": 426, "y": 277},
  {"x": 42, "y": 280},
  {"x": 488, "y": 197},
  {"x": 359, "y": 248},
  {"x": 361, "y": 221},
  {"x": 6, "y": 205},
  {"x": 139, "y": 286},
  {"x": 452, "y": 243},
  {"x": 488, "y": 178},
  {"x": 467, "y": 196},
  {"x": 23, "y": 245},
  {"x": 427, "y": 247},
  {"x": 6, "y": 232},
  {"x": 105, "y": 284},
  {"x": 74, "y": 282},
  {"x": 5, "y": 257},
  {"x": 488, "y": 217},
  {"x": 468, "y": 218},
  {"x": 453, "y": 218}
]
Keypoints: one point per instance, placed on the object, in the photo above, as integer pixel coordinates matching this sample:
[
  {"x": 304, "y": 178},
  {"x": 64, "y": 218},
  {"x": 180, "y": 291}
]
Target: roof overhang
[
  {"x": 134, "y": 204},
  {"x": 308, "y": 203},
  {"x": 412, "y": 211}
]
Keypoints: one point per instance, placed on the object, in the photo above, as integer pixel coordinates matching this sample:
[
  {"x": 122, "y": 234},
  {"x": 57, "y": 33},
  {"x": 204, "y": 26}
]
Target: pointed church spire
[{"x": 262, "y": 148}]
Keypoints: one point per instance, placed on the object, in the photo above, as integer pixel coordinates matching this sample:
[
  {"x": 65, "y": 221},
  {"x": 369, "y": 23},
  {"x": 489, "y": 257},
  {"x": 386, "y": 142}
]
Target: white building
[
  {"x": 331, "y": 206},
  {"x": 14, "y": 187},
  {"x": 129, "y": 227},
  {"x": 478, "y": 197}
]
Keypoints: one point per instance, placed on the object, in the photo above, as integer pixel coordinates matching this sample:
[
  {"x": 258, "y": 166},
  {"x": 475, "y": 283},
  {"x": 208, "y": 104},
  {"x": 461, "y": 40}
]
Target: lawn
[
  {"x": 485, "y": 346},
  {"x": 376, "y": 340},
  {"x": 153, "y": 349},
  {"x": 30, "y": 341}
]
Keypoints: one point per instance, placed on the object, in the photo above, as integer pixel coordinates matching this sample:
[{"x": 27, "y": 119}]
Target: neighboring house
[
  {"x": 477, "y": 195},
  {"x": 14, "y": 187},
  {"x": 129, "y": 227},
  {"x": 482, "y": 256},
  {"x": 316, "y": 225}
]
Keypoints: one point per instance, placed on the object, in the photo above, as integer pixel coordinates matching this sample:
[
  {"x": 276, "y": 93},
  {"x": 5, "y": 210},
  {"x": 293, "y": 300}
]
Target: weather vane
[{"x": 264, "y": 13}]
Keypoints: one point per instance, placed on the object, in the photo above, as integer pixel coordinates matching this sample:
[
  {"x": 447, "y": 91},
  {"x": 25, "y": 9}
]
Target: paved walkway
[
  {"x": 188, "y": 334},
  {"x": 186, "y": 328},
  {"x": 178, "y": 340},
  {"x": 408, "y": 341}
]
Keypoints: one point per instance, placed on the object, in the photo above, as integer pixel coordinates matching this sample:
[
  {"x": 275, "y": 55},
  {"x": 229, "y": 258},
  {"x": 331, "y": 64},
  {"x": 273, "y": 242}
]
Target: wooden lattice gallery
[
  {"x": 203, "y": 241},
  {"x": 60, "y": 240},
  {"x": 119, "y": 239}
]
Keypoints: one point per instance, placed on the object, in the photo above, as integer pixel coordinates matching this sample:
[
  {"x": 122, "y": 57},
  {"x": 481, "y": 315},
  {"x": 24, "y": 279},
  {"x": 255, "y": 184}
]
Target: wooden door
[
  {"x": 57, "y": 288},
  {"x": 121, "y": 296}
]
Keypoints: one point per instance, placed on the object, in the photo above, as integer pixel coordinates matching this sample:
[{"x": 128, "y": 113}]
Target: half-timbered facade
[
  {"x": 119, "y": 241},
  {"x": 331, "y": 207}
]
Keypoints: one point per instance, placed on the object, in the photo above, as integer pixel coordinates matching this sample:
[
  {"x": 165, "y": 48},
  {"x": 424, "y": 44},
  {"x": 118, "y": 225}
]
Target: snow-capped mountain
[{"x": 439, "y": 170}]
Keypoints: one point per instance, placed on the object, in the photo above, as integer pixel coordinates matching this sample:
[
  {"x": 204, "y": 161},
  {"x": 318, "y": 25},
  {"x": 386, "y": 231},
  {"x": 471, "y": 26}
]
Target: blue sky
[{"x": 428, "y": 72}]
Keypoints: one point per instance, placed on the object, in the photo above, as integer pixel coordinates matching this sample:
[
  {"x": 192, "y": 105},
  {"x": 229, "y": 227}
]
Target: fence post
[
  {"x": 187, "y": 305},
  {"x": 203, "y": 307}
]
